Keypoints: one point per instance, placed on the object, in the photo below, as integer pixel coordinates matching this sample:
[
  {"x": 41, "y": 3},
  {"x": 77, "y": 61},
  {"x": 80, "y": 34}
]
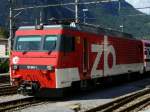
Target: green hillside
[
  {"x": 133, "y": 21},
  {"x": 99, "y": 14}
]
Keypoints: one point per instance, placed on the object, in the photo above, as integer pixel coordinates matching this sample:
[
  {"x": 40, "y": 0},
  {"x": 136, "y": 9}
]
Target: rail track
[
  {"x": 7, "y": 89},
  {"x": 4, "y": 78},
  {"x": 18, "y": 104},
  {"x": 128, "y": 103}
]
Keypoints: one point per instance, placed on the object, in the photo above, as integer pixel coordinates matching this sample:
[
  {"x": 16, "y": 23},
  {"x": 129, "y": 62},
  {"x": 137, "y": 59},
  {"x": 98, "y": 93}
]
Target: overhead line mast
[
  {"x": 10, "y": 25},
  {"x": 76, "y": 11}
]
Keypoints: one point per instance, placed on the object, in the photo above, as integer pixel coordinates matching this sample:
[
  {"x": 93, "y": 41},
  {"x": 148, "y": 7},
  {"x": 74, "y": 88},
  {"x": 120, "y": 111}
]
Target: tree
[{"x": 3, "y": 33}]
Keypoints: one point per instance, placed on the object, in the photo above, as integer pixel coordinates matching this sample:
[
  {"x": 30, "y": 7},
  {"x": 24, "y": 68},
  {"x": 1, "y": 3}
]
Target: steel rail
[
  {"x": 134, "y": 104},
  {"x": 140, "y": 108},
  {"x": 4, "y": 85},
  {"x": 18, "y": 103},
  {"x": 4, "y": 78},
  {"x": 121, "y": 101},
  {"x": 8, "y": 90},
  {"x": 4, "y": 74}
]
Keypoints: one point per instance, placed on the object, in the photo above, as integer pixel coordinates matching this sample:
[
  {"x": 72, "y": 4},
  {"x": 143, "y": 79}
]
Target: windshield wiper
[
  {"x": 49, "y": 52},
  {"x": 24, "y": 52}
]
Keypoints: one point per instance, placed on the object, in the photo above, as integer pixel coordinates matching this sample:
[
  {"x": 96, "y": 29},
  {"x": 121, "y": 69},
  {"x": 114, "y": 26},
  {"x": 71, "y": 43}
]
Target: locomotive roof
[
  {"x": 84, "y": 28},
  {"x": 99, "y": 30}
]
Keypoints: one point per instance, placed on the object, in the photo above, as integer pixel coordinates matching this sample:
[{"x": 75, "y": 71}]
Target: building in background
[{"x": 3, "y": 48}]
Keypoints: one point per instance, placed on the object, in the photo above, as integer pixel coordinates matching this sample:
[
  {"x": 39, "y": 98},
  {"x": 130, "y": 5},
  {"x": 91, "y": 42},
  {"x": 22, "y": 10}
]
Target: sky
[{"x": 141, "y": 4}]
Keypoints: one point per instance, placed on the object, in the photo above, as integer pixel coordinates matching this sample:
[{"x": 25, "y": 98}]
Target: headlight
[
  {"x": 15, "y": 67},
  {"x": 50, "y": 67}
]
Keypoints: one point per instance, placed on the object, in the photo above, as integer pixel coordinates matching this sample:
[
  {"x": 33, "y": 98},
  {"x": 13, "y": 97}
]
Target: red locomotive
[{"x": 50, "y": 58}]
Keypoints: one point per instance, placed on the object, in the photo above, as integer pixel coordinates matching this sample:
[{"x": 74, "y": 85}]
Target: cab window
[
  {"x": 50, "y": 43},
  {"x": 68, "y": 43}
]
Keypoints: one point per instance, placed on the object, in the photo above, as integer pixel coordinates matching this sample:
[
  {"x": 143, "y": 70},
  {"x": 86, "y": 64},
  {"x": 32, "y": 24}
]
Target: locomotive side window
[
  {"x": 145, "y": 52},
  {"x": 28, "y": 43},
  {"x": 68, "y": 43},
  {"x": 50, "y": 43}
]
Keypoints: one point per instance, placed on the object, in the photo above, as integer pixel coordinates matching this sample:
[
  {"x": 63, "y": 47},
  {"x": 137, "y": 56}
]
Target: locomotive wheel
[
  {"x": 84, "y": 85},
  {"x": 96, "y": 82}
]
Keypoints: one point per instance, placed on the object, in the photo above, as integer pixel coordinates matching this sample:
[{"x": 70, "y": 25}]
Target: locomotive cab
[{"x": 37, "y": 55}]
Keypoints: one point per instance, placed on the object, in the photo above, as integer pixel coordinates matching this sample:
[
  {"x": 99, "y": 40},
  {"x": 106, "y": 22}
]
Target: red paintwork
[
  {"x": 128, "y": 51},
  {"x": 38, "y": 32}
]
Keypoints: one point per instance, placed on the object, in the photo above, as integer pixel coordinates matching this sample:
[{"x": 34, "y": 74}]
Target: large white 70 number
[{"x": 98, "y": 49}]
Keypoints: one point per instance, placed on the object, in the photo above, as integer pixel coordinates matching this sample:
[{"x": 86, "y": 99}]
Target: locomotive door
[{"x": 85, "y": 57}]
